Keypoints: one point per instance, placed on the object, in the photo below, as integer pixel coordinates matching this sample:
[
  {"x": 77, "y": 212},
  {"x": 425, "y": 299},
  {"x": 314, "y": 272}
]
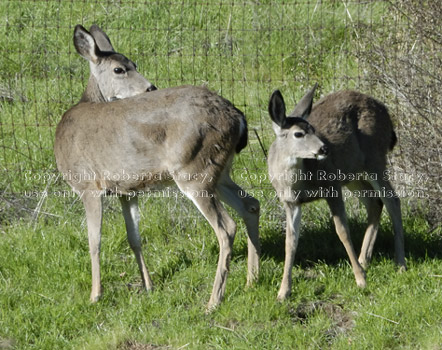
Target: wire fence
[{"x": 241, "y": 49}]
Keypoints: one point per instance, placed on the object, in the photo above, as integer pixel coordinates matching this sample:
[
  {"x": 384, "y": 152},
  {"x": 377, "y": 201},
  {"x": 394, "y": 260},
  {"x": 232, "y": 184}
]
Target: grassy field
[
  {"x": 45, "y": 281},
  {"x": 243, "y": 50}
]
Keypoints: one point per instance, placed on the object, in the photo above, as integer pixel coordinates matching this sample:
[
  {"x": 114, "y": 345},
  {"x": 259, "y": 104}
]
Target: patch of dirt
[
  {"x": 131, "y": 345},
  {"x": 342, "y": 320},
  {"x": 6, "y": 344}
]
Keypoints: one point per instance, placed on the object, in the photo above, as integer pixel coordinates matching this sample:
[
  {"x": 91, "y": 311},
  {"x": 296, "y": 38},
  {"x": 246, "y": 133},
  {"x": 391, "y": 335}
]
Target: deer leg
[
  {"x": 293, "y": 217},
  {"x": 132, "y": 218},
  {"x": 225, "y": 229},
  {"x": 374, "y": 207},
  {"x": 247, "y": 208},
  {"x": 393, "y": 205},
  {"x": 340, "y": 219},
  {"x": 94, "y": 215}
]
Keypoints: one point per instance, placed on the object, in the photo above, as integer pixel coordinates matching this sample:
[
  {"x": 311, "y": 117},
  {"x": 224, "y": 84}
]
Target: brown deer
[
  {"x": 342, "y": 140},
  {"x": 185, "y": 135}
]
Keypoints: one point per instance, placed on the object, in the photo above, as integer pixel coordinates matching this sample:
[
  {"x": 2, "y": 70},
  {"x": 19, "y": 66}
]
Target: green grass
[
  {"x": 45, "y": 281},
  {"x": 243, "y": 50}
]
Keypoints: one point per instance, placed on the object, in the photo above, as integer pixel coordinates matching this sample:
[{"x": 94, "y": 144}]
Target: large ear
[
  {"x": 304, "y": 107},
  {"x": 277, "y": 108},
  {"x": 101, "y": 38},
  {"x": 85, "y": 44}
]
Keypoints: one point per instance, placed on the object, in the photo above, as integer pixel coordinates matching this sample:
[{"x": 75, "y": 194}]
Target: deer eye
[
  {"x": 298, "y": 135},
  {"x": 118, "y": 70}
]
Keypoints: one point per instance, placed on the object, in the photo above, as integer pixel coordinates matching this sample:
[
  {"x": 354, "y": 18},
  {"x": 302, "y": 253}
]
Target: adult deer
[
  {"x": 184, "y": 135},
  {"x": 112, "y": 75},
  {"x": 343, "y": 140}
]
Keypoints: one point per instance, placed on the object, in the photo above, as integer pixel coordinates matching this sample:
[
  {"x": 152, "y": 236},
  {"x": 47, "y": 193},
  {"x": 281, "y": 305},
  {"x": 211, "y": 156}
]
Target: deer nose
[
  {"x": 151, "y": 88},
  {"x": 323, "y": 150}
]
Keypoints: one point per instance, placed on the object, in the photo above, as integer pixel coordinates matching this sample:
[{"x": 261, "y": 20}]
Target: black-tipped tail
[
  {"x": 243, "y": 137},
  {"x": 393, "y": 140}
]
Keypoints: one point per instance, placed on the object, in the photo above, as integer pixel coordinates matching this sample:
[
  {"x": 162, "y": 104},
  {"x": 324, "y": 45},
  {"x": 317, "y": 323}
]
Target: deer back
[
  {"x": 145, "y": 140},
  {"x": 357, "y": 130}
]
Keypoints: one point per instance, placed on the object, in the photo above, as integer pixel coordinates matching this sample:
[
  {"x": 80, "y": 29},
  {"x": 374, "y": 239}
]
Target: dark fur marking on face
[{"x": 300, "y": 122}]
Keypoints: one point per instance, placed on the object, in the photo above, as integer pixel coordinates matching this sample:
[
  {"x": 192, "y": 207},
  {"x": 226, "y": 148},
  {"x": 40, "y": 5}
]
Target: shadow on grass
[{"x": 323, "y": 244}]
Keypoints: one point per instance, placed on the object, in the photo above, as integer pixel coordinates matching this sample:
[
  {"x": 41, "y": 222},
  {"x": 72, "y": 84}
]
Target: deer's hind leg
[
  {"x": 247, "y": 208},
  {"x": 374, "y": 210},
  {"x": 225, "y": 229},
  {"x": 374, "y": 206},
  {"x": 132, "y": 218},
  {"x": 393, "y": 205},
  {"x": 340, "y": 219}
]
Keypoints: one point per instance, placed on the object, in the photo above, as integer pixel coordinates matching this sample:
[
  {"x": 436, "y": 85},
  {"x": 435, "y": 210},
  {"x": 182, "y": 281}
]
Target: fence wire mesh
[{"x": 241, "y": 49}]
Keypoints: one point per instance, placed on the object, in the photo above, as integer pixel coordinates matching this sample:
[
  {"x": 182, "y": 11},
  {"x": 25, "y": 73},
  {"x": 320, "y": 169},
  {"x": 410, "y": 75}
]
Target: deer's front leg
[{"x": 293, "y": 216}]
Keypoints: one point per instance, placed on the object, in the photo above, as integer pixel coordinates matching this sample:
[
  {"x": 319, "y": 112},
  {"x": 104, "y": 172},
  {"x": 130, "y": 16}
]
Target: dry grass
[{"x": 406, "y": 62}]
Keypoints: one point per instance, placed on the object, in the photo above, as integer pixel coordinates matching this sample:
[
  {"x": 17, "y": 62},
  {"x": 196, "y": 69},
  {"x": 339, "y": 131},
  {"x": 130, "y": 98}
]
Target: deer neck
[
  {"x": 294, "y": 163},
  {"x": 92, "y": 92}
]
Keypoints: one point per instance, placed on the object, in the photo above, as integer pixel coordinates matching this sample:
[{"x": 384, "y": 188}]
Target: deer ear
[
  {"x": 304, "y": 107},
  {"x": 101, "y": 38},
  {"x": 85, "y": 44},
  {"x": 277, "y": 110}
]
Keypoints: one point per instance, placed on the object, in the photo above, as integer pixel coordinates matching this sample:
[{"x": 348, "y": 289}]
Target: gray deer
[
  {"x": 184, "y": 135},
  {"x": 342, "y": 140}
]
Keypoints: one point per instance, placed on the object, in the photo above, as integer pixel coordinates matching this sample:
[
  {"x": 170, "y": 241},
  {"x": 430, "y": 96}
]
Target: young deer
[
  {"x": 343, "y": 140},
  {"x": 187, "y": 135},
  {"x": 112, "y": 75}
]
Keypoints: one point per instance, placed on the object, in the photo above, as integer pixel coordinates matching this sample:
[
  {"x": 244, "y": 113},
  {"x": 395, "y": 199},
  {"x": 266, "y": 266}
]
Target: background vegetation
[{"x": 243, "y": 50}]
